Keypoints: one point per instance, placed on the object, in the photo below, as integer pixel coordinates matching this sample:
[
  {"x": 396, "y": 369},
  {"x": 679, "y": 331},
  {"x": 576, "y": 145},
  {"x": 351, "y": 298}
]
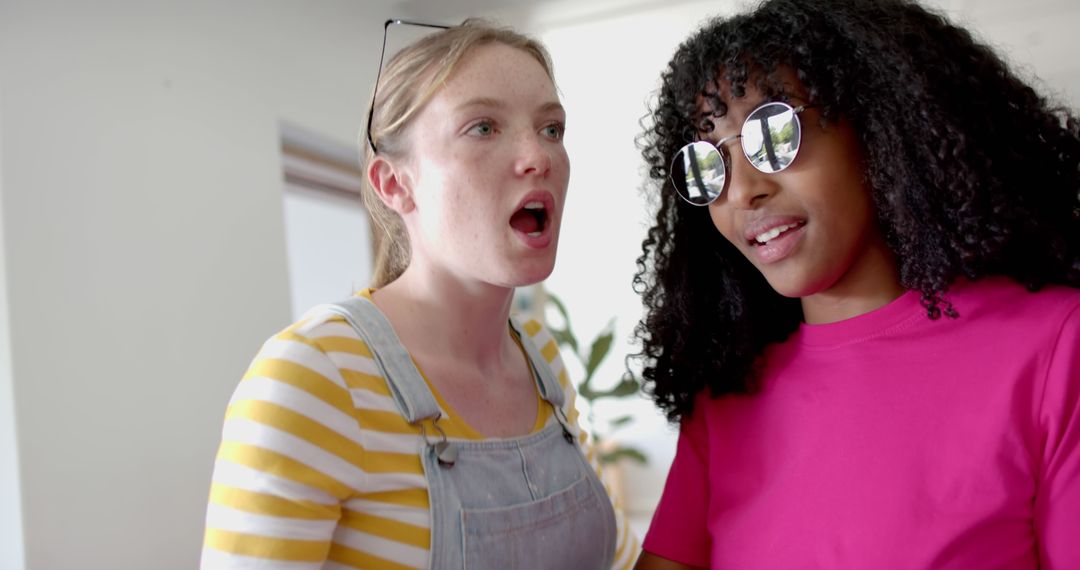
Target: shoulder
[
  {"x": 312, "y": 339},
  {"x": 536, "y": 333},
  {"x": 539, "y": 335},
  {"x": 1003, "y": 304},
  {"x": 323, "y": 356},
  {"x": 301, "y": 411},
  {"x": 1009, "y": 325}
]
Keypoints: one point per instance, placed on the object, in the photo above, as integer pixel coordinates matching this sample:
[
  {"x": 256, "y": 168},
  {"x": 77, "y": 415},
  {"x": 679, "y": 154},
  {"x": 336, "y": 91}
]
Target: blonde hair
[{"x": 409, "y": 81}]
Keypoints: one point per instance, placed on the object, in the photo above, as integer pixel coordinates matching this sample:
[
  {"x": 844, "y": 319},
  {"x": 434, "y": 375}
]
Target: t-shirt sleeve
[
  {"x": 282, "y": 469},
  {"x": 679, "y": 529},
  {"x": 1057, "y": 501}
]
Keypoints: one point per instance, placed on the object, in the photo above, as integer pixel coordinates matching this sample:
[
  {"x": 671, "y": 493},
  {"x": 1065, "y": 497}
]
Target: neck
[
  {"x": 437, "y": 312},
  {"x": 868, "y": 285}
]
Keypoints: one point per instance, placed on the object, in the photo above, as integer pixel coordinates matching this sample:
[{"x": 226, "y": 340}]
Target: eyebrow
[{"x": 490, "y": 102}]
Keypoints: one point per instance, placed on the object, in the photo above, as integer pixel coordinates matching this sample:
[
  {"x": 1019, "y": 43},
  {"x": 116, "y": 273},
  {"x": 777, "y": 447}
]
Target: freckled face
[
  {"x": 488, "y": 170},
  {"x": 828, "y": 239}
]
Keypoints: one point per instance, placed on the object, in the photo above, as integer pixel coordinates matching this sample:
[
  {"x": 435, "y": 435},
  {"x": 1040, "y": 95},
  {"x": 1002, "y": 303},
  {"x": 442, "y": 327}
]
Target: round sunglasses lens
[
  {"x": 698, "y": 172},
  {"x": 770, "y": 137}
]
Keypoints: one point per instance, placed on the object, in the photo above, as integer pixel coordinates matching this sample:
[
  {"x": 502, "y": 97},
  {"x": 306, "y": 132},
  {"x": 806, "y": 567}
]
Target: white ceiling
[
  {"x": 1033, "y": 33},
  {"x": 987, "y": 11},
  {"x": 529, "y": 15}
]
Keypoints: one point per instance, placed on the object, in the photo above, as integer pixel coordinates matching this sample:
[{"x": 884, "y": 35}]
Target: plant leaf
[
  {"x": 587, "y": 392},
  {"x": 624, "y": 389},
  {"x": 563, "y": 336},
  {"x": 566, "y": 334},
  {"x": 628, "y": 386},
  {"x": 624, "y": 453},
  {"x": 600, "y": 347}
]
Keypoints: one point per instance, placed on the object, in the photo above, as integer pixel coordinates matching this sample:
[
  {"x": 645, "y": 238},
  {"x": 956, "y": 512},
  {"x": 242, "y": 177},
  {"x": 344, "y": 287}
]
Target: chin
[
  {"x": 530, "y": 272},
  {"x": 533, "y": 277},
  {"x": 790, "y": 294},
  {"x": 518, "y": 274},
  {"x": 793, "y": 288}
]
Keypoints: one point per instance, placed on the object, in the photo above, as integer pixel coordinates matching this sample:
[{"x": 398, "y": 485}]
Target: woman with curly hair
[{"x": 862, "y": 297}]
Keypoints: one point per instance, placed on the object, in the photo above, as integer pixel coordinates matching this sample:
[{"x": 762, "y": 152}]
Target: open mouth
[
  {"x": 767, "y": 236},
  {"x": 532, "y": 219}
]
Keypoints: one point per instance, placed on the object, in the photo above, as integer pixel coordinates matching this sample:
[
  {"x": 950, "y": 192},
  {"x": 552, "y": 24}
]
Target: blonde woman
[{"x": 418, "y": 425}]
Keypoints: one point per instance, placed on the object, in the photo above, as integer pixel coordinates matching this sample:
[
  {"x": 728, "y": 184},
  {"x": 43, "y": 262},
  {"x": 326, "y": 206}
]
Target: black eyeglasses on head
[{"x": 382, "y": 56}]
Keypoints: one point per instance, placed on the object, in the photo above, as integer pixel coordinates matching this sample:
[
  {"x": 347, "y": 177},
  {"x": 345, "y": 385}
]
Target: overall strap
[
  {"x": 550, "y": 389},
  {"x": 408, "y": 388}
]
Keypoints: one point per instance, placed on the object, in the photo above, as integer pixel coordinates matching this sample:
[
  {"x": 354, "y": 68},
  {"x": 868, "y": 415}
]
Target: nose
[
  {"x": 533, "y": 156},
  {"x": 748, "y": 188}
]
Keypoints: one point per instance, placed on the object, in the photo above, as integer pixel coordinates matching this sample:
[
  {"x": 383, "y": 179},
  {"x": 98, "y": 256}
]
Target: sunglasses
[
  {"x": 770, "y": 138},
  {"x": 382, "y": 58}
]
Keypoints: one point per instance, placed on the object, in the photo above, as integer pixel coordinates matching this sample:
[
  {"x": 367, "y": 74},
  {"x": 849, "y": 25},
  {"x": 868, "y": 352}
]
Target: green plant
[{"x": 627, "y": 386}]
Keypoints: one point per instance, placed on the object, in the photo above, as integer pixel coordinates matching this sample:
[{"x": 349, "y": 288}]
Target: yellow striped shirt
[{"x": 318, "y": 469}]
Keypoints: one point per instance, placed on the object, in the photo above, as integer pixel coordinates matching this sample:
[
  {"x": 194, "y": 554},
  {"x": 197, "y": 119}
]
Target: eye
[
  {"x": 554, "y": 131},
  {"x": 484, "y": 128}
]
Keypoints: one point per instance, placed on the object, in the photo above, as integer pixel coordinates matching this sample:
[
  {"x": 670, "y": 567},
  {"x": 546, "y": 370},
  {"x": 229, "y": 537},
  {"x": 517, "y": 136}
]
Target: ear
[{"x": 392, "y": 184}]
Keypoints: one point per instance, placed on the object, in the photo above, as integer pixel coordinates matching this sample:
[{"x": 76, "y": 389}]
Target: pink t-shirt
[{"x": 893, "y": 441}]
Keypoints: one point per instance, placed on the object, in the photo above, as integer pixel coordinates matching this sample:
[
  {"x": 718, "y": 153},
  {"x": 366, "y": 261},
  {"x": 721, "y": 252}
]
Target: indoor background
[{"x": 160, "y": 185}]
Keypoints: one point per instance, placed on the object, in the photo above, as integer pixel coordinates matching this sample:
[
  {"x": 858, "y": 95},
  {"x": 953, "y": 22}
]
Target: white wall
[
  {"x": 329, "y": 247},
  {"x": 11, "y": 528},
  {"x": 145, "y": 249},
  {"x": 1038, "y": 38}
]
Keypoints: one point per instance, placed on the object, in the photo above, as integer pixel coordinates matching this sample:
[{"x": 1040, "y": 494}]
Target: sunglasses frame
[
  {"x": 725, "y": 158},
  {"x": 382, "y": 59}
]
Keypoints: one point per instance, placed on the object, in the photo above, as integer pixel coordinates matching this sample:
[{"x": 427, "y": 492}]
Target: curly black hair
[{"x": 972, "y": 173}]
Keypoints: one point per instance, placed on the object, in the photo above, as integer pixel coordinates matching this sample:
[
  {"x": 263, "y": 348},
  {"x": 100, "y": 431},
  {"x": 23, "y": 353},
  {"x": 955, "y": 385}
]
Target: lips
[
  {"x": 773, "y": 238},
  {"x": 769, "y": 235},
  {"x": 533, "y": 217},
  {"x": 766, "y": 229}
]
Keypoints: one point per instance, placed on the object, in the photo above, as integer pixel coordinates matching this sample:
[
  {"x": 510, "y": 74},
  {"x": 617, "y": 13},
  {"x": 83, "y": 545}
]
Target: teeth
[
  {"x": 764, "y": 237},
  {"x": 534, "y": 234},
  {"x": 534, "y": 206}
]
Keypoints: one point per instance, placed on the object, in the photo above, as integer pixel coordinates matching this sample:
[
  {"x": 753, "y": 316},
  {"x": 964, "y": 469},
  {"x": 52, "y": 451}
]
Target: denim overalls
[{"x": 526, "y": 502}]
